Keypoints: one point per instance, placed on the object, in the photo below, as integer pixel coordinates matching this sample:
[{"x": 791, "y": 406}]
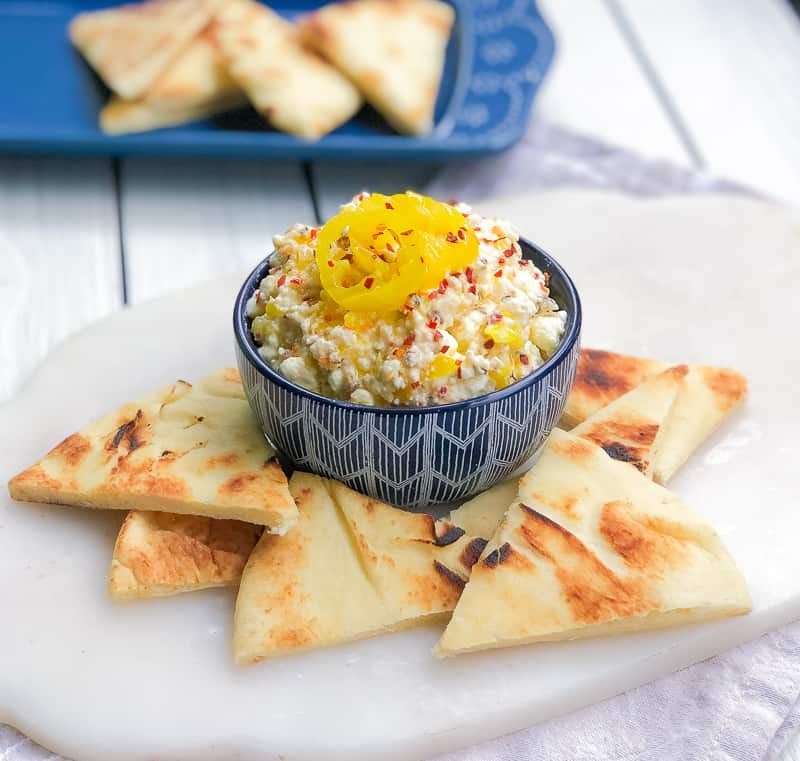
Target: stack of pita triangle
[
  {"x": 592, "y": 547},
  {"x": 188, "y": 455},
  {"x": 589, "y": 545},
  {"x": 392, "y": 50},
  {"x": 160, "y": 61},
  {"x": 172, "y": 61},
  {"x": 585, "y": 544},
  {"x": 352, "y": 568}
]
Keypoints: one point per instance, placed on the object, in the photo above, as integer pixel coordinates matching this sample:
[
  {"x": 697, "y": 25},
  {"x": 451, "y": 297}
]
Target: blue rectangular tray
[{"x": 498, "y": 53}]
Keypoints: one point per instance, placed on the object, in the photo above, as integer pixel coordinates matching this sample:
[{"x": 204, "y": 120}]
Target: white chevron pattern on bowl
[{"x": 429, "y": 457}]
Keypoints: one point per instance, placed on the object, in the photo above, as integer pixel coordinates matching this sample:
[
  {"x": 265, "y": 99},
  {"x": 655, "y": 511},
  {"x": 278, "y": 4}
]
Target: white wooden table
[{"x": 709, "y": 83}]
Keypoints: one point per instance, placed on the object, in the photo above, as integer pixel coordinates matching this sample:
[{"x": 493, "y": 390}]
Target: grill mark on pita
[
  {"x": 472, "y": 552},
  {"x": 609, "y": 431},
  {"x": 573, "y": 449},
  {"x": 73, "y": 449},
  {"x": 640, "y": 545},
  {"x": 603, "y": 376},
  {"x": 35, "y": 476},
  {"x": 451, "y": 534},
  {"x": 591, "y": 590},
  {"x": 728, "y": 386},
  {"x": 498, "y": 556},
  {"x": 127, "y": 432},
  {"x": 451, "y": 577},
  {"x": 143, "y": 477},
  {"x": 564, "y": 504},
  {"x": 222, "y": 461},
  {"x": 624, "y": 453}
]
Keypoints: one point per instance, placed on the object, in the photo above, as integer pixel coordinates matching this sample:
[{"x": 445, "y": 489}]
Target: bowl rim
[{"x": 249, "y": 348}]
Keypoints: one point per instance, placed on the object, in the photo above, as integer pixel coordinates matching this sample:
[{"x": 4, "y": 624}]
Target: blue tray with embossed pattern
[{"x": 497, "y": 55}]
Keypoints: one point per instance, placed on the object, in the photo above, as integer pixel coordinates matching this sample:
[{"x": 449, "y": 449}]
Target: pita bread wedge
[
  {"x": 293, "y": 88},
  {"x": 708, "y": 396},
  {"x": 351, "y": 568},
  {"x": 179, "y": 450},
  {"x": 393, "y": 50},
  {"x": 158, "y": 554},
  {"x": 482, "y": 514},
  {"x": 600, "y": 378},
  {"x": 631, "y": 428},
  {"x": 592, "y": 548},
  {"x": 130, "y": 46},
  {"x": 196, "y": 85}
]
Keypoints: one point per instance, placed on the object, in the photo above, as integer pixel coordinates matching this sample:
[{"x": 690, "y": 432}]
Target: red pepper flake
[
  {"x": 489, "y": 344},
  {"x": 369, "y": 282},
  {"x": 473, "y": 290},
  {"x": 409, "y": 341},
  {"x": 330, "y": 262},
  {"x": 470, "y": 275},
  {"x": 499, "y": 273},
  {"x": 495, "y": 318},
  {"x": 458, "y": 362},
  {"x": 389, "y": 206},
  {"x": 406, "y": 232},
  {"x": 313, "y": 233},
  {"x": 437, "y": 335},
  {"x": 524, "y": 262},
  {"x": 443, "y": 391},
  {"x": 461, "y": 233},
  {"x": 415, "y": 384},
  {"x": 433, "y": 294},
  {"x": 464, "y": 214},
  {"x": 443, "y": 286},
  {"x": 459, "y": 371},
  {"x": 281, "y": 280},
  {"x": 390, "y": 248},
  {"x": 445, "y": 349},
  {"x": 524, "y": 359},
  {"x": 509, "y": 251},
  {"x": 432, "y": 324},
  {"x": 296, "y": 281},
  {"x": 451, "y": 238}
]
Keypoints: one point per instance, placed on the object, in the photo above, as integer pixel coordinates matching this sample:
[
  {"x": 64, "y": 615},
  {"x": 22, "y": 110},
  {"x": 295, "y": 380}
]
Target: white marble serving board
[{"x": 713, "y": 280}]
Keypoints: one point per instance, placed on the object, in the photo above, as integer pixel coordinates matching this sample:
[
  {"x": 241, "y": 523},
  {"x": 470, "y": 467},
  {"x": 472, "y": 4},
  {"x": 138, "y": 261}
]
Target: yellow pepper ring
[{"x": 372, "y": 257}]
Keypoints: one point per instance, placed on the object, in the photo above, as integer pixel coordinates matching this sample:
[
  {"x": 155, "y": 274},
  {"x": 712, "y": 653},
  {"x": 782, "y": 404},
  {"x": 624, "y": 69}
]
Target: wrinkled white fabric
[{"x": 740, "y": 706}]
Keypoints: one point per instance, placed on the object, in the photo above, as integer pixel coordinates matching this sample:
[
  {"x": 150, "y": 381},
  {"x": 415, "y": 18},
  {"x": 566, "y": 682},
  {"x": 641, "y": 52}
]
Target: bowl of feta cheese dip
[{"x": 413, "y": 349}]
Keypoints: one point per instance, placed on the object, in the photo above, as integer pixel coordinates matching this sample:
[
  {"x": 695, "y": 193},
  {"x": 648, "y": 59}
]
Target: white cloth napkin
[{"x": 740, "y": 706}]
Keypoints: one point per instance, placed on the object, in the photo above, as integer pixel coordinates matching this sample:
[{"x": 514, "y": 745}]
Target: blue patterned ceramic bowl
[{"x": 413, "y": 457}]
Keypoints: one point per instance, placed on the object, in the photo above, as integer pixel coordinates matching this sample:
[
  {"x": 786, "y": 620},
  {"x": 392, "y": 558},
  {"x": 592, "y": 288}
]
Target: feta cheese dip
[{"x": 404, "y": 301}]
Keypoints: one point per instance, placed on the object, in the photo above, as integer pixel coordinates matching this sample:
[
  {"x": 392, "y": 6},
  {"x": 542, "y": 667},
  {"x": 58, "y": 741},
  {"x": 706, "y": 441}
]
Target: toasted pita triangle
[
  {"x": 393, "y": 50},
  {"x": 600, "y": 378},
  {"x": 158, "y": 554},
  {"x": 707, "y": 397},
  {"x": 592, "y": 548},
  {"x": 132, "y": 45},
  {"x": 482, "y": 514},
  {"x": 351, "y": 568},
  {"x": 196, "y": 85},
  {"x": 631, "y": 427},
  {"x": 293, "y": 88},
  {"x": 182, "y": 449}
]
